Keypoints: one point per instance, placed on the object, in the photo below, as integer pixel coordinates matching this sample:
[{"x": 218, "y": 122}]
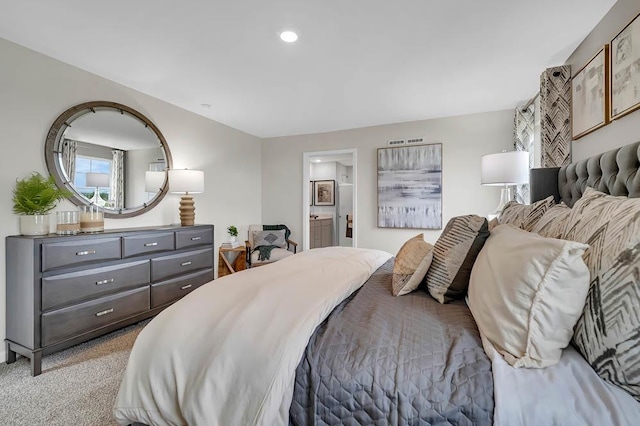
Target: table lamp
[
  {"x": 505, "y": 169},
  {"x": 98, "y": 180},
  {"x": 187, "y": 182}
]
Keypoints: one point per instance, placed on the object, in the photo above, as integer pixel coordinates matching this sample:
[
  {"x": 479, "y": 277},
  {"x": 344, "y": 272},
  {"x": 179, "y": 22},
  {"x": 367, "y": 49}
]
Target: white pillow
[{"x": 526, "y": 293}]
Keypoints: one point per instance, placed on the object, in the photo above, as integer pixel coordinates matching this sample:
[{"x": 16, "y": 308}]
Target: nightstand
[{"x": 231, "y": 260}]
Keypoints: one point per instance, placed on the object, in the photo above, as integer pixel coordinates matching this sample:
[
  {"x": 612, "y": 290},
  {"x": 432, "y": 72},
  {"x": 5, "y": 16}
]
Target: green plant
[
  {"x": 233, "y": 231},
  {"x": 36, "y": 195}
]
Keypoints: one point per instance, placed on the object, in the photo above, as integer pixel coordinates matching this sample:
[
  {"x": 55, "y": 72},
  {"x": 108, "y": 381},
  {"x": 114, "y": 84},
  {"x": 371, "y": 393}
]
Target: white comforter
[{"x": 227, "y": 353}]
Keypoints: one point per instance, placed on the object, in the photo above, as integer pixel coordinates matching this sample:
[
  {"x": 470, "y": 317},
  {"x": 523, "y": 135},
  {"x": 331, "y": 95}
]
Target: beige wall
[
  {"x": 625, "y": 130},
  {"x": 35, "y": 89},
  {"x": 465, "y": 139}
]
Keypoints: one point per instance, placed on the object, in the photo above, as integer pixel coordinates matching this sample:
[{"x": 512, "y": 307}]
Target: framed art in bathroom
[{"x": 324, "y": 193}]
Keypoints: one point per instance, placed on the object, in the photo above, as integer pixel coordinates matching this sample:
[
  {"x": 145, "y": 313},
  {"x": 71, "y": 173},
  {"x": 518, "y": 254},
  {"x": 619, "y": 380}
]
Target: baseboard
[{"x": 3, "y": 356}]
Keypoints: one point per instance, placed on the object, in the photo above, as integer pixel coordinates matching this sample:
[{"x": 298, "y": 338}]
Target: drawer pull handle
[
  {"x": 84, "y": 253},
  {"x": 196, "y": 238},
  {"x": 150, "y": 244},
  {"x": 185, "y": 263},
  {"x": 105, "y": 312},
  {"x": 110, "y": 280},
  {"x": 184, "y": 287}
]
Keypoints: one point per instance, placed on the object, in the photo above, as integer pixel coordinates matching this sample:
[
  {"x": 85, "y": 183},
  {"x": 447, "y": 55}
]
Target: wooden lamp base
[{"x": 187, "y": 210}]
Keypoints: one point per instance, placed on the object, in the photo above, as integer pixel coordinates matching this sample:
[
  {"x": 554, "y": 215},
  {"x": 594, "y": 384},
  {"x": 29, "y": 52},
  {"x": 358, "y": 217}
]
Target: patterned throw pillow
[
  {"x": 269, "y": 238},
  {"x": 524, "y": 216},
  {"x": 411, "y": 265},
  {"x": 453, "y": 256},
  {"x": 608, "y": 333},
  {"x": 553, "y": 222}
]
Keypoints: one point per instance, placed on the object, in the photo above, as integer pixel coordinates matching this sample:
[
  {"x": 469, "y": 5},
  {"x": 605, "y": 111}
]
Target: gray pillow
[
  {"x": 453, "y": 256},
  {"x": 269, "y": 238}
]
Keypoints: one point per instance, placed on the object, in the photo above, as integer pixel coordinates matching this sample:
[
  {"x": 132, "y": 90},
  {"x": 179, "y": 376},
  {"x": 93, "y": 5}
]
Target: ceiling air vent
[{"x": 415, "y": 141}]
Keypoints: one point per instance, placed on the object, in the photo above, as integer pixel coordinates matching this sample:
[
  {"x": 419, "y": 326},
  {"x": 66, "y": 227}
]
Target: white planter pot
[
  {"x": 232, "y": 239},
  {"x": 34, "y": 224}
]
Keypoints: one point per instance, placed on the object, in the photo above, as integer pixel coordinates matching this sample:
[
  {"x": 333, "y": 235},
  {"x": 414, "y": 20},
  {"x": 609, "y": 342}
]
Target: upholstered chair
[{"x": 268, "y": 243}]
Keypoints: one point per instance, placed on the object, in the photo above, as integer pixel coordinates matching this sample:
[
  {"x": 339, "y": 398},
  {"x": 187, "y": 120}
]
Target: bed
[{"x": 329, "y": 344}]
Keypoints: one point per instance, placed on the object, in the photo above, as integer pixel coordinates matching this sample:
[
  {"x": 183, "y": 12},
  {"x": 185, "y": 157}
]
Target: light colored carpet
[{"x": 78, "y": 386}]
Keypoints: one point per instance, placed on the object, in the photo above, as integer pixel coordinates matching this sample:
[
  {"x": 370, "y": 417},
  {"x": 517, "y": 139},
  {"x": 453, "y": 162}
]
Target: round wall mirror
[{"x": 109, "y": 155}]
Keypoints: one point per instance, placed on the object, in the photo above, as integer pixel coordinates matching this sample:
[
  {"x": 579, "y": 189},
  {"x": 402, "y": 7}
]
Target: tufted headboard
[{"x": 614, "y": 172}]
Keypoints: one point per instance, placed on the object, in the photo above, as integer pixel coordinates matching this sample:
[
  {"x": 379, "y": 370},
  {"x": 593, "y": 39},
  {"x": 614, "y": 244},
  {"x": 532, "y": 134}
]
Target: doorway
[{"x": 329, "y": 199}]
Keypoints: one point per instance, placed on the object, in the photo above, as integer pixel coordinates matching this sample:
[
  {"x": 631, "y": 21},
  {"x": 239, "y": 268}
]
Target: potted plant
[
  {"x": 233, "y": 233},
  {"x": 33, "y": 198}
]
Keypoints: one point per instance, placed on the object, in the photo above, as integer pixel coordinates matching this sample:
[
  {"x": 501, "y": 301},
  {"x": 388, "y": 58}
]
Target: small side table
[{"x": 231, "y": 260}]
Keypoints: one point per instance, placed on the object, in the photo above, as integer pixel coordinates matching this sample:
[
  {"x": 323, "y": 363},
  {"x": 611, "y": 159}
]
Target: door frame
[{"x": 306, "y": 171}]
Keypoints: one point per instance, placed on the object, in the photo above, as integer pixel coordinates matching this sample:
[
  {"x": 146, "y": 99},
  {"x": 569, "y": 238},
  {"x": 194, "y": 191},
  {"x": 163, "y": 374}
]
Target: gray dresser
[{"x": 62, "y": 291}]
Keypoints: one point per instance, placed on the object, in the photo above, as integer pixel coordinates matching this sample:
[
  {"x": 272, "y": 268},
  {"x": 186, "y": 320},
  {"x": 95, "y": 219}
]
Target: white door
[{"x": 345, "y": 207}]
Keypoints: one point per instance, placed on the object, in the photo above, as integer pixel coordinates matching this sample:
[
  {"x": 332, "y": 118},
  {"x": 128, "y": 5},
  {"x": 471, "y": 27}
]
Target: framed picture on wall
[
  {"x": 157, "y": 166},
  {"x": 625, "y": 70},
  {"x": 324, "y": 192},
  {"x": 410, "y": 187},
  {"x": 311, "y": 197},
  {"x": 590, "y": 95}
]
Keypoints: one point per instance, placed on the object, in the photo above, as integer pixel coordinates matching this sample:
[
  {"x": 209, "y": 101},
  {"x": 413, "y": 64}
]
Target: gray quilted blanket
[{"x": 385, "y": 360}]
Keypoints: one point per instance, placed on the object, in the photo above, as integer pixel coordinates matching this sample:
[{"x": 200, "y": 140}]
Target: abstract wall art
[{"x": 410, "y": 187}]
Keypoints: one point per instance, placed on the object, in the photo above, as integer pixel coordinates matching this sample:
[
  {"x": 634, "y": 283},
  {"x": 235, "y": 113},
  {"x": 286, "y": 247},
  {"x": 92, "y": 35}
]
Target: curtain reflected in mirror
[
  {"x": 69, "y": 149},
  {"x": 117, "y": 179}
]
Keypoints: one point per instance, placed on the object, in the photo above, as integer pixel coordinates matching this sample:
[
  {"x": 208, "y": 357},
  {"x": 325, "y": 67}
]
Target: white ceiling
[{"x": 356, "y": 63}]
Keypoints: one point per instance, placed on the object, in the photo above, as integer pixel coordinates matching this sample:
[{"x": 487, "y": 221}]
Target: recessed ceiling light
[
  {"x": 317, "y": 161},
  {"x": 288, "y": 36},
  {"x": 207, "y": 106}
]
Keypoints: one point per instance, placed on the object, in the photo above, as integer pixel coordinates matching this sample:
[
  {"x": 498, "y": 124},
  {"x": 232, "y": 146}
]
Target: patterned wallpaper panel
[{"x": 555, "y": 116}]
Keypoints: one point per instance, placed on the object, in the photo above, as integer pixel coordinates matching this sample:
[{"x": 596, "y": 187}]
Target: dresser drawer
[
  {"x": 177, "y": 264},
  {"x": 66, "y": 289},
  {"x": 74, "y": 320},
  {"x": 169, "y": 291},
  {"x": 57, "y": 255},
  {"x": 136, "y": 245},
  {"x": 193, "y": 237}
]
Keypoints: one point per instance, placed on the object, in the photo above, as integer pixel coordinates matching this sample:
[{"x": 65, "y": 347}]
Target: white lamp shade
[
  {"x": 182, "y": 181},
  {"x": 153, "y": 180},
  {"x": 99, "y": 180},
  {"x": 505, "y": 168}
]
